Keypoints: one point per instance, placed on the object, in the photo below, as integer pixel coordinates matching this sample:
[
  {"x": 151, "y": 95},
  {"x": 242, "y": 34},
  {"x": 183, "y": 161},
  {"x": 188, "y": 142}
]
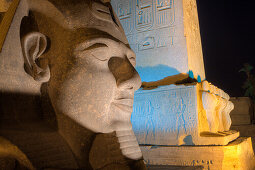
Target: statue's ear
[{"x": 34, "y": 45}]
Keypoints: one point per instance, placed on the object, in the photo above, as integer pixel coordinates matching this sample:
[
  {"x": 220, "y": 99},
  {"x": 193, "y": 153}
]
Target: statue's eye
[
  {"x": 96, "y": 45},
  {"x": 99, "y": 51}
]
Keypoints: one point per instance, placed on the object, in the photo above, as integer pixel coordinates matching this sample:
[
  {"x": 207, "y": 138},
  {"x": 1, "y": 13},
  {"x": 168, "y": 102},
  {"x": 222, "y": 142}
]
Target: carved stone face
[{"x": 91, "y": 67}]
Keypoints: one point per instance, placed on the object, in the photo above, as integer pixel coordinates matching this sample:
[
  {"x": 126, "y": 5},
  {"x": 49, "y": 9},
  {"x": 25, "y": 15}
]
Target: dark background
[{"x": 228, "y": 41}]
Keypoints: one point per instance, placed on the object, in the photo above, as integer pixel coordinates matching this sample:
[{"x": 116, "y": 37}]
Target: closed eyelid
[
  {"x": 102, "y": 41},
  {"x": 97, "y": 45},
  {"x": 89, "y": 46},
  {"x": 97, "y": 50}
]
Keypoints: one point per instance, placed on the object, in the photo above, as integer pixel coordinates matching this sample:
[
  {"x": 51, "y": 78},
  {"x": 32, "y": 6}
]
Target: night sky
[{"x": 228, "y": 40}]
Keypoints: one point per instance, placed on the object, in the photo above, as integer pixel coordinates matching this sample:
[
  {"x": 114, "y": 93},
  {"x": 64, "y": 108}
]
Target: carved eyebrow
[
  {"x": 96, "y": 45},
  {"x": 88, "y": 46},
  {"x": 93, "y": 48},
  {"x": 91, "y": 42}
]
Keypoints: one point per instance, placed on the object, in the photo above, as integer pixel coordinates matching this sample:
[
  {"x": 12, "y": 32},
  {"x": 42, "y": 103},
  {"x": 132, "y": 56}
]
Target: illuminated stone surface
[
  {"x": 182, "y": 115},
  {"x": 217, "y": 106},
  {"x": 165, "y": 36},
  {"x": 71, "y": 57},
  {"x": 237, "y": 155}
]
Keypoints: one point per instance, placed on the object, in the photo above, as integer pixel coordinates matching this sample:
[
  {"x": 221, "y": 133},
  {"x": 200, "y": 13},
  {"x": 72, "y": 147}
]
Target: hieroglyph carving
[
  {"x": 183, "y": 115},
  {"x": 163, "y": 112},
  {"x": 148, "y": 24}
]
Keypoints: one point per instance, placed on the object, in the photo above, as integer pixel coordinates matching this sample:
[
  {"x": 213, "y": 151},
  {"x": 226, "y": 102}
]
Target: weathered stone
[
  {"x": 243, "y": 111},
  {"x": 246, "y": 131},
  {"x": 164, "y": 35},
  {"x": 182, "y": 115},
  {"x": 217, "y": 106},
  {"x": 4, "y": 5},
  {"x": 75, "y": 54},
  {"x": 237, "y": 155},
  {"x": 15, "y": 157}
]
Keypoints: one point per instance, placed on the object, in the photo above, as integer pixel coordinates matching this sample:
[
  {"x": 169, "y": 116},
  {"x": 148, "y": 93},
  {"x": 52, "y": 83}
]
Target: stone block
[
  {"x": 237, "y": 155},
  {"x": 243, "y": 106},
  {"x": 241, "y": 119},
  {"x": 164, "y": 35},
  {"x": 175, "y": 115},
  {"x": 243, "y": 111}
]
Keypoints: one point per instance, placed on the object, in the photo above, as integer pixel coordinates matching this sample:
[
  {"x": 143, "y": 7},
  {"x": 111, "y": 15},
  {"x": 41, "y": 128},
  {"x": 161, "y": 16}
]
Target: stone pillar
[
  {"x": 166, "y": 118},
  {"x": 164, "y": 35}
]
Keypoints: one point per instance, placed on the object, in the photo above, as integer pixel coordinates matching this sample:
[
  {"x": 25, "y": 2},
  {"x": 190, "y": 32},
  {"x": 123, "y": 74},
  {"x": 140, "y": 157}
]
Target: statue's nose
[{"x": 125, "y": 74}]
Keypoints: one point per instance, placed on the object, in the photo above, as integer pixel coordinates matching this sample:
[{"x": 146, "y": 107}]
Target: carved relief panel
[
  {"x": 150, "y": 16},
  {"x": 149, "y": 26}
]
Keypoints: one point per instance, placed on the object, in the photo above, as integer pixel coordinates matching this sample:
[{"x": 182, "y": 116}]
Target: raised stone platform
[
  {"x": 246, "y": 131},
  {"x": 237, "y": 155},
  {"x": 175, "y": 115},
  {"x": 170, "y": 167}
]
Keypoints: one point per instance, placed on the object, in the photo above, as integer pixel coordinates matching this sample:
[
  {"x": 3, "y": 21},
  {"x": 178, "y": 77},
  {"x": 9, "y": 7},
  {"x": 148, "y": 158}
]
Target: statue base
[
  {"x": 174, "y": 115},
  {"x": 237, "y": 155}
]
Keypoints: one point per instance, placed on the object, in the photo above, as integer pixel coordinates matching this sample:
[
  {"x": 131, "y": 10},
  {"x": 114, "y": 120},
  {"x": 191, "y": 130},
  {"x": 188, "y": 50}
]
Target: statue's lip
[
  {"x": 123, "y": 107},
  {"x": 125, "y": 102}
]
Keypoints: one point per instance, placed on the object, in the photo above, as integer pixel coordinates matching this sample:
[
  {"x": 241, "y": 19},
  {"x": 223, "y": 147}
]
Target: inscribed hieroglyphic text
[
  {"x": 164, "y": 111},
  {"x": 147, "y": 23}
]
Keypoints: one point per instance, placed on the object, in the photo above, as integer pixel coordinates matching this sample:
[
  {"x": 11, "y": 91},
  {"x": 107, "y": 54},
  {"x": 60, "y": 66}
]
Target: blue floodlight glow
[{"x": 156, "y": 73}]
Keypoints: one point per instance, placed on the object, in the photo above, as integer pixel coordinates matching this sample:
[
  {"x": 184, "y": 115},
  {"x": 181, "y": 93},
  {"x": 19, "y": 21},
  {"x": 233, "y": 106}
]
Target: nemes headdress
[{"x": 13, "y": 76}]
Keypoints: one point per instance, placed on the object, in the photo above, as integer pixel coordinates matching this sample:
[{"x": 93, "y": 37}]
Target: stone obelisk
[
  {"x": 177, "y": 110},
  {"x": 166, "y": 39},
  {"x": 165, "y": 36}
]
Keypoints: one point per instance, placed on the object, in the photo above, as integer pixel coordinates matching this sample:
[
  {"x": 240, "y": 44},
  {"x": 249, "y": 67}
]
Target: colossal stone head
[{"x": 79, "y": 48}]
